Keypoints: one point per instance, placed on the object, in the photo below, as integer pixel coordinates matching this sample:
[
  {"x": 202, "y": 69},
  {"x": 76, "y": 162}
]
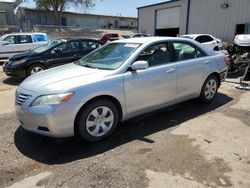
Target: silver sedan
[{"x": 118, "y": 81}]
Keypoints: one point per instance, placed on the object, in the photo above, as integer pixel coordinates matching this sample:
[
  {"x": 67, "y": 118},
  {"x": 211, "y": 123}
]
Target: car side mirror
[{"x": 139, "y": 65}]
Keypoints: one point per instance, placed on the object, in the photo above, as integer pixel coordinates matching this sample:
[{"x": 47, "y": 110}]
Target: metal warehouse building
[{"x": 221, "y": 18}]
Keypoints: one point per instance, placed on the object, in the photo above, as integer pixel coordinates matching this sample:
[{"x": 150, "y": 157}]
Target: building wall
[
  {"x": 9, "y": 13},
  {"x": 97, "y": 21},
  {"x": 3, "y": 20},
  {"x": 30, "y": 17},
  {"x": 207, "y": 16},
  {"x": 146, "y": 16}
]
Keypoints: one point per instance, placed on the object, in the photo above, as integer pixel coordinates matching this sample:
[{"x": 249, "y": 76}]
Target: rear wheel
[
  {"x": 97, "y": 121},
  {"x": 35, "y": 69},
  {"x": 209, "y": 89}
]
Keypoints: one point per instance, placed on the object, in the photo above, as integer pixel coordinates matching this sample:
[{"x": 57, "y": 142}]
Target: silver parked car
[
  {"x": 118, "y": 81},
  {"x": 16, "y": 43}
]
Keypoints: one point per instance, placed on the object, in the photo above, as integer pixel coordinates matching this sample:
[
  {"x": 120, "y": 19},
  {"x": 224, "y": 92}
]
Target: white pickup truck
[{"x": 15, "y": 43}]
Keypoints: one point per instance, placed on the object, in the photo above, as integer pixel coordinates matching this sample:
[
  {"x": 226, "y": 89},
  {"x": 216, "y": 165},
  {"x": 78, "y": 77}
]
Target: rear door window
[
  {"x": 23, "y": 39},
  {"x": 184, "y": 51}
]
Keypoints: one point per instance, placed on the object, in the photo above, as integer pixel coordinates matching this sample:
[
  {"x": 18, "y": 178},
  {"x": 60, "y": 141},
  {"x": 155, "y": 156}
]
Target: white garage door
[{"x": 168, "y": 18}]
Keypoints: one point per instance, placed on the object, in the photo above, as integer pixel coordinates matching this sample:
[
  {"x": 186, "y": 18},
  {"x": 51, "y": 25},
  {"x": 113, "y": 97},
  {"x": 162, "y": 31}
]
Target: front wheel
[
  {"x": 209, "y": 89},
  {"x": 97, "y": 121},
  {"x": 35, "y": 69}
]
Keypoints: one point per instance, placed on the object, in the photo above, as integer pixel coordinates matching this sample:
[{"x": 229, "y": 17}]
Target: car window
[
  {"x": 90, "y": 45},
  {"x": 184, "y": 51},
  {"x": 10, "y": 39},
  {"x": 115, "y": 35},
  {"x": 204, "y": 38},
  {"x": 22, "y": 39},
  {"x": 67, "y": 47},
  {"x": 39, "y": 38},
  {"x": 157, "y": 54}
]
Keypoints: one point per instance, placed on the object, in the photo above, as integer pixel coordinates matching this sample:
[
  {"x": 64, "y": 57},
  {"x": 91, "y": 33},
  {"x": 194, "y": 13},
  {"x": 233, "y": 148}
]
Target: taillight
[{"x": 227, "y": 60}]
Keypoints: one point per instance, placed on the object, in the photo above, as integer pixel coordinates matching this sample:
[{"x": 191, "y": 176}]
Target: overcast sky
[{"x": 113, "y": 7}]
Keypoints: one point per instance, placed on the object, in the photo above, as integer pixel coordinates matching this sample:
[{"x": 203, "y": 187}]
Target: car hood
[
  {"x": 63, "y": 78},
  {"x": 22, "y": 56}
]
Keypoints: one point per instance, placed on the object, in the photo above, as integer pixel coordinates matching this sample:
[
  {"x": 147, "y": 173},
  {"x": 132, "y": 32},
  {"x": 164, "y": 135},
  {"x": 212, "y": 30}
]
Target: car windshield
[
  {"x": 47, "y": 46},
  {"x": 109, "y": 57},
  {"x": 2, "y": 37}
]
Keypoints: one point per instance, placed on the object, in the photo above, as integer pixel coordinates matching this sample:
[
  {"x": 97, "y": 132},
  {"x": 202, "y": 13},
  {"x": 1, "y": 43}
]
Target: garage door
[{"x": 168, "y": 18}]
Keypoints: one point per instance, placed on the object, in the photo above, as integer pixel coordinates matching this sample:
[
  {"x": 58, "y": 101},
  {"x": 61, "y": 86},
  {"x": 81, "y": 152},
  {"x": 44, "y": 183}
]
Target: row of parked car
[{"x": 28, "y": 53}]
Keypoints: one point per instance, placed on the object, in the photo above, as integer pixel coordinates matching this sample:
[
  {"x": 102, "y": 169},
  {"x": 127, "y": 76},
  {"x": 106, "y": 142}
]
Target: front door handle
[{"x": 170, "y": 70}]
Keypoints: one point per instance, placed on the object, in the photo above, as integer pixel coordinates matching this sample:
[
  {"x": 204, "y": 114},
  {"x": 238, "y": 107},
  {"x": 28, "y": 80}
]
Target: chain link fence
[{"x": 64, "y": 31}]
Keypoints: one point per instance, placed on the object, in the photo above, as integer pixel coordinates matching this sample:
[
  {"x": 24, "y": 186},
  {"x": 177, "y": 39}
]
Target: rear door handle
[
  {"x": 206, "y": 62},
  {"x": 170, "y": 70}
]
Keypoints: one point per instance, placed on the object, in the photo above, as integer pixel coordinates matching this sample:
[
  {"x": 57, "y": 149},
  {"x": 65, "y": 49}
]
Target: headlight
[
  {"x": 19, "y": 62},
  {"x": 52, "y": 99}
]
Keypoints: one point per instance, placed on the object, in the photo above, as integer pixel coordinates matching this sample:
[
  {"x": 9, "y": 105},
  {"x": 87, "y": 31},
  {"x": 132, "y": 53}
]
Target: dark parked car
[{"x": 52, "y": 54}]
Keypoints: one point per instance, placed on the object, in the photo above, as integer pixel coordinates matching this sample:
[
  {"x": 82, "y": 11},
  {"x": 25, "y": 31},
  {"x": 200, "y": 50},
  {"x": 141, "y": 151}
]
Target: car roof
[
  {"x": 143, "y": 40},
  {"x": 25, "y": 34},
  {"x": 75, "y": 38},
  {"x": 195, "y": 35}
]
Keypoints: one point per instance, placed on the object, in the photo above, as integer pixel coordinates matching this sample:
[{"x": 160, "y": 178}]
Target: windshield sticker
[{"x": 131, "y": 45}]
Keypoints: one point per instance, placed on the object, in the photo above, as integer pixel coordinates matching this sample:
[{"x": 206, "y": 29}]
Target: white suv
[
  {"x": 14, "y": 43},
  {"x": 207, "y": 40}
]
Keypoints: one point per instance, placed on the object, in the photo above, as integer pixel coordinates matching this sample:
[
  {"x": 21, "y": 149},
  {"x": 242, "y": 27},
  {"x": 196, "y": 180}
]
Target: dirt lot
[{"x": 190, "y": 145}]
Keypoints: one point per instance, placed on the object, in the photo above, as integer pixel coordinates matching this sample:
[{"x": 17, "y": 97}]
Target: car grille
[{"x": 21, "y": 98}]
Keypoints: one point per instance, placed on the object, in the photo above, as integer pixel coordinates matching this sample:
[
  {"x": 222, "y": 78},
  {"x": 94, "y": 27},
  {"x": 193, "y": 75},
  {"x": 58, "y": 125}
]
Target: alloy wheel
[
  {"x": 100, "y": 121},
  {"x": 210, "y": 89},
  {"x": 35, "y": 70}
]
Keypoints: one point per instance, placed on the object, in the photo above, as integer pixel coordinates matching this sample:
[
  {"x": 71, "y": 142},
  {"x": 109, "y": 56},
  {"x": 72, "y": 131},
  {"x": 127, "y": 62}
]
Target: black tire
[
  {"x": 31, "y": 68},
  {"x": 204, "y": 92},
  {"x": 85, "y": 114}
]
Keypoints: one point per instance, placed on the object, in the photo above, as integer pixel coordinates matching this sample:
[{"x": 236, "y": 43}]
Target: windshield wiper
[{"x": 89, "y": 66}]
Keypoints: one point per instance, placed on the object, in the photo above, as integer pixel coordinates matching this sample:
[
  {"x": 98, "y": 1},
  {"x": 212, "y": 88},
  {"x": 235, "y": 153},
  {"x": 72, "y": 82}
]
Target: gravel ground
[{"x": 189, "y": 145}]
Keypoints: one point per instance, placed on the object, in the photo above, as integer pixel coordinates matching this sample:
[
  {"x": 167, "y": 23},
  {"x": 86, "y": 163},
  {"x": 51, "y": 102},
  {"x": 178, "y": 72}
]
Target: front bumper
[
  {"x": 13, "y": 70},
  {"x": 53, "y": 121}
]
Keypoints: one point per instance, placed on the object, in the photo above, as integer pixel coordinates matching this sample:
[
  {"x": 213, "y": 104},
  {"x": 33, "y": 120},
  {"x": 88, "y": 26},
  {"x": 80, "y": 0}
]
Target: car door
[
  {"x": 192, "y": 69},
  {"x": 154, "y": 86},
  {"x": 9, "y": 45},
  {"x": 24, "y": 43},
  {"x": 88, "y": 46},
  {"x": 64, "y": 53}
]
